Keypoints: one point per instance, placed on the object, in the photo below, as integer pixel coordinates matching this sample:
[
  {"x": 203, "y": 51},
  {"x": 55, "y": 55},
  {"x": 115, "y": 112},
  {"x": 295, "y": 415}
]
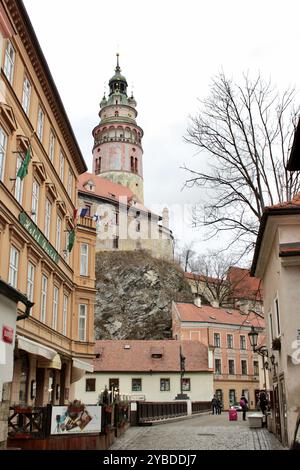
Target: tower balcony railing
[{"x": 105, "y": 140}]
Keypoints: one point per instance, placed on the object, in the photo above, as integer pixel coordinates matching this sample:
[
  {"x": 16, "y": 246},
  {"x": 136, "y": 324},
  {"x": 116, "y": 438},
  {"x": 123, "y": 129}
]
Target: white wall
[
  {"x": 201, "y": 386},
  {"x": 8, "y": 313}
]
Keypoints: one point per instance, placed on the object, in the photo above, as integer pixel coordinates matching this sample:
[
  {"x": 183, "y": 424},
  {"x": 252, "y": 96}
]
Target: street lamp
[{"x": 261, "y": 350}]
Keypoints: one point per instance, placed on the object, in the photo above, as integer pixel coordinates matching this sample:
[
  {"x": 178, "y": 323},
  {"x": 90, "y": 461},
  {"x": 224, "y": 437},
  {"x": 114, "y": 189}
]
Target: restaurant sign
[{"x": 31, "y": 228}]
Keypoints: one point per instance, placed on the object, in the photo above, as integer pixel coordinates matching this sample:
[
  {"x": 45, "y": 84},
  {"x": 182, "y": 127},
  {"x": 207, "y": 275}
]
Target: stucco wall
[{"x": 201, "y": 386}]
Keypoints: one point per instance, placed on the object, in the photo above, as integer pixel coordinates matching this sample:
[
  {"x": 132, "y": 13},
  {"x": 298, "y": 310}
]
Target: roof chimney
[
  {"x": 215, "y": 304},
  {"x": 197, "y": 301}
]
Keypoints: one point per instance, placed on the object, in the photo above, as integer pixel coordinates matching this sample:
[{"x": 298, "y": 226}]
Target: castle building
[{"x": 114, "y": 192}]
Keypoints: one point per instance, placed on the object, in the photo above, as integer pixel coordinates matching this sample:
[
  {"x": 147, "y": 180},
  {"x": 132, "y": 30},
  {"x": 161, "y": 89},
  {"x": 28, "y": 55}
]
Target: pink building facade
[{"x": 236, "y": 367}]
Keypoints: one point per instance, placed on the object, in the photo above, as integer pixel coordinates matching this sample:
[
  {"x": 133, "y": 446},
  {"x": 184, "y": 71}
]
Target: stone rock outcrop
[{"x": 134, "y": 295}]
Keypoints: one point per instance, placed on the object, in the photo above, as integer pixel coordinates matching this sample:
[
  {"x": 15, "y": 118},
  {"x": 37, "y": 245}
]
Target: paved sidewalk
[{"x": 199, "y": 433}]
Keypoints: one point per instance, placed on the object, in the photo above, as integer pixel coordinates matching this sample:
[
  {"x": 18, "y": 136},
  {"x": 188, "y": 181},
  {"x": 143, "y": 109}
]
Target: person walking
[
  {"x": 219, "y": 406},
  {"x": 244, "y": 405},
  {"x": 263, "y": 401},
  {"x": 214, "y": 405}
]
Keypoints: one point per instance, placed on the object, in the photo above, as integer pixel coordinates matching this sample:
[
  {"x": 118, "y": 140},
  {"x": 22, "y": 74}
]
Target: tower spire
[{"x": 118, "y": 69}]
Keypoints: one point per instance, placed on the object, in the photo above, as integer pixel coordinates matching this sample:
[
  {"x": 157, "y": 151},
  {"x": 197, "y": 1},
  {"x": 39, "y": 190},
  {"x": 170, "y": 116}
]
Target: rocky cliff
[{"x": 134, "y": 295}]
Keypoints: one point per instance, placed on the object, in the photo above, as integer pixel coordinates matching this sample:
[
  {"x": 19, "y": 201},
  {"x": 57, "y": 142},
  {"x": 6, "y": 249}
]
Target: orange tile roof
[
  {"x": 206, "y": 314},
  {"x": 114, "y": 357},
  {"x": 243, "y": 286},
  {"x": 295, "y": 202},
  {"x": 108, "y": 190},
  {"x": 200, "y": 277}
]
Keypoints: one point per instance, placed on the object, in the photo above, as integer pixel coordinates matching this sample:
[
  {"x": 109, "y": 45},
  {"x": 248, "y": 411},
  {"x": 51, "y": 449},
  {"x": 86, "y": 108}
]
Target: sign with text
[{"x": 31, "y": 228}]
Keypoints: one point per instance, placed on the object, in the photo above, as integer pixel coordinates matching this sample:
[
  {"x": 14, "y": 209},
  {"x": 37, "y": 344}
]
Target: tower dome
[{"x": 117, "y": 151}]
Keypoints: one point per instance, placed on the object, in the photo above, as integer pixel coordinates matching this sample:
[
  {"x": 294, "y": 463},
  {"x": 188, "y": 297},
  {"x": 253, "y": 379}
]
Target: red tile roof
[
  {"x": 107, "y": 189},
  {"x": 115, "y": 357},
  {"x": 243, "y": 286},
  {"x": 200, "y": 277},
  {"x": 206, "y": 314}
]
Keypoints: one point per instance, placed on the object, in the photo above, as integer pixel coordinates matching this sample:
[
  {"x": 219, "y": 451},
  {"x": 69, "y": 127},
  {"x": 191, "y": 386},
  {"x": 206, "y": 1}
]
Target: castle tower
[{"x": 117, "y": 151}]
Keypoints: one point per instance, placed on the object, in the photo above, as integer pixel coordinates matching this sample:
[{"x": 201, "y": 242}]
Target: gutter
[
  {"x": 292, "y": 210},
  {"x": 13, "y": 294}
]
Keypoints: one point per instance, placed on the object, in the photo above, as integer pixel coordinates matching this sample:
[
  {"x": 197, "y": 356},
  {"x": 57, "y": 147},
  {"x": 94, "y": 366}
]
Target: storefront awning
[
  {"x": 35, "y": 348},
  {"x": 83, "y": 365},
  {"x": 46, "y": 364}
]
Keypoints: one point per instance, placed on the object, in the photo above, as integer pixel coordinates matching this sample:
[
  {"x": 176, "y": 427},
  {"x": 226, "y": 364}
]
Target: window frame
[
  {"x": 217, "y": 340},
  {"x": 40, "y": 123},
  {"x": 215, "y": 368},
  {"x": 58, "y": 232},
  {"x": 55, "y": 307},
  {"x": 230, "y": 343},
  {"x": 163, "y": 382},
  {"x": 186, "y": 388},
  {"x": 134, "y": 389},
  {"x": 44, "y": 289},
  {"x": 26, "y": 96},
  {"x": 3, "y": 151},
  {"x": 61, "y": 171},
  {"x": 87, "y": 387},
  {"x": 48, "y": 214},
  {"x": 35, "y": 201},
  {"x": 14, "y": 259},
  {"x": 65, "y": 315},
  {"x": 245, "y": 362},
  {"x": 84, "y": 260},
  {"x": 52, "y": 140},
  {"x": 231, "y": 361},
  {"x": 243, "y": 342},
  {"x": 30, "y": 280},
  {"x": 82, "y": 316},
  {"x": 9, "y": 62}
]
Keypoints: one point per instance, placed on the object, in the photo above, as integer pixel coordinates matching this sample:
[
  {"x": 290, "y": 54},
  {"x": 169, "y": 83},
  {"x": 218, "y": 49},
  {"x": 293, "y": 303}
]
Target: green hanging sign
[{"x": 31, "y": 228}]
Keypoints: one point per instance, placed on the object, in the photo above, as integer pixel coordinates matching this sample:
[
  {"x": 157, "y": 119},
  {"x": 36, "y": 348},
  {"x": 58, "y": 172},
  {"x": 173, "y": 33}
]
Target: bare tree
[
  {"x": 219, "y": 282},
  {"x": 185, "y": 256},
  {"x": 245, "y": 132}
]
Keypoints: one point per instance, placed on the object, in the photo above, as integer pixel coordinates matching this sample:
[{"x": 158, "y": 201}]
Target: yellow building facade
[{"x": 55, "y": 343}]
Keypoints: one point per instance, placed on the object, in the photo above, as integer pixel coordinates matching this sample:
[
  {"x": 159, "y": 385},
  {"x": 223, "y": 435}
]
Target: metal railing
[
  {"x": 200, "y": 406},
  {"x": 155, "y": 411}
]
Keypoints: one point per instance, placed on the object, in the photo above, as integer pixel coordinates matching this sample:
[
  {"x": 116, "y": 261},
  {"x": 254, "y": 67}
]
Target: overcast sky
[{"x": 169, "y": 50}]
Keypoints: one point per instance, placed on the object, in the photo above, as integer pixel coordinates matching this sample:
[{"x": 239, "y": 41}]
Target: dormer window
[
  {"x": 90, "y": 186},
  {"x": 156, "y": 355}
]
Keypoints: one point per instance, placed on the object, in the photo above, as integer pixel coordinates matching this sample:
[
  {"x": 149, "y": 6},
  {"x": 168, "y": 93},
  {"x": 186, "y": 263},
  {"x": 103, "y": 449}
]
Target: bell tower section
[{"x": 117, "y": 151}]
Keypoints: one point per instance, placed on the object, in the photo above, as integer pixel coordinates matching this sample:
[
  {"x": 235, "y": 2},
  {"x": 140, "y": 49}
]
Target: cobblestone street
[{"x": 206, "y": 432}]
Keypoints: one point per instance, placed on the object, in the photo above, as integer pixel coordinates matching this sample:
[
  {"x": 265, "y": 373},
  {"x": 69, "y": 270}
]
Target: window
[
  {"x": 244, "y": 367},
  {"x": 19, "y": 182},
  {"x": 65, "y": 315},
  {"x": 13, "y": 267},
  {"x": 82, "y": 322},
  {"x": 61, "y": 165},
  {"x": 136, "y": 385},
  {"x": 113, "y": 383},
  {"x": 30, "y": 281},
  {"x": 135, "y": 165},
  {"x": 138, "y": 226},
  {"x": 164, "y": 385},
  {"x": 243, "y": 342},
  {"x": 44, "y": 298},
  {"x": 58, "y": 233},
  {"x": 117, "y": 218},
  {"x": 55, "y": 308},
  {"x": 217, "y": 341},
  {"x": 231, "y": 367},
  {"x": 3, "y": 141},
  {"x": 48, "y": 210},
  {"x": 116, "y": 242},
  {"x": 218, "y": 369},
  {"x": 90, "y": 385},
  {"x": 70, "y": 183},
  {"x": 51, "y": 146},
  {"x": 229, "y": 341},
  {"x": 186, "y": 385},
  {"x": 35, "y": 201},
  {"x": 9, "y": 62},
  {"x": 40, "y": 123},
  {"x": 131, "y": 164},
  {"x": 232, "y": 397},
  {"x": 255, "y": 368},
  {"x": 271, "y": 327},
  {"x": 277, "y": 317},
  {"x": 84, "y": 252},
  {"x": 26, "y": 95}
]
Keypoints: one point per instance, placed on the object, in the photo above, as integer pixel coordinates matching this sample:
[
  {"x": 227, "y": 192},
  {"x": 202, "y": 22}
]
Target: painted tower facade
[{"x": 117, "y": 151}]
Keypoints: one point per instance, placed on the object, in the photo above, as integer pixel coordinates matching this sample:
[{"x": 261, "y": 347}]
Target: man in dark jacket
[
  {"x": 244, "y": 405},
  {"x": 214, "y": 405}
]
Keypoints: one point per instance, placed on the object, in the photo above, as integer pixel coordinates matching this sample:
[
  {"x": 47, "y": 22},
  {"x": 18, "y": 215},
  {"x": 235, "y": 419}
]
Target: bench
[{"x": 255, "y": 420}]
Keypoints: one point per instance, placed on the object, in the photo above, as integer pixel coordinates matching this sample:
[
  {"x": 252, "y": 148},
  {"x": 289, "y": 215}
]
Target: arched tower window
[
  {"x": 135, "y": 165},
  {"x": 116, "y": 113},
  {"x": 132, "y": 164}
]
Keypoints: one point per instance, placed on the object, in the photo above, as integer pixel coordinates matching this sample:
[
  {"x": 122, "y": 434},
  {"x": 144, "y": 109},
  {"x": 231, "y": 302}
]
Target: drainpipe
[{"x": 26, "y": 314}]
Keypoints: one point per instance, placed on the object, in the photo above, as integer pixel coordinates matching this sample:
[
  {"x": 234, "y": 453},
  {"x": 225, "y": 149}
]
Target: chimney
[
  {"x": 197, "y": 301},
  {"x": 165, "y": 217},
  {"x": 215, "y": 304}
]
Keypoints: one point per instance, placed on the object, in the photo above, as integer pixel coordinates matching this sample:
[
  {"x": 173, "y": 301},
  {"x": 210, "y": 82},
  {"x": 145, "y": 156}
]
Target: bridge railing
[
  {"x": 155, "y": 411},
  {"x": 200, "y": 406}
]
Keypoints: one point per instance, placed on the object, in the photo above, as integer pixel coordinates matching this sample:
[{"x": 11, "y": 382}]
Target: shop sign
[
  {"x": 7, "y": 334},
  {"x": 69, "y": 420},
  {"x": 31, "y": 228}
]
